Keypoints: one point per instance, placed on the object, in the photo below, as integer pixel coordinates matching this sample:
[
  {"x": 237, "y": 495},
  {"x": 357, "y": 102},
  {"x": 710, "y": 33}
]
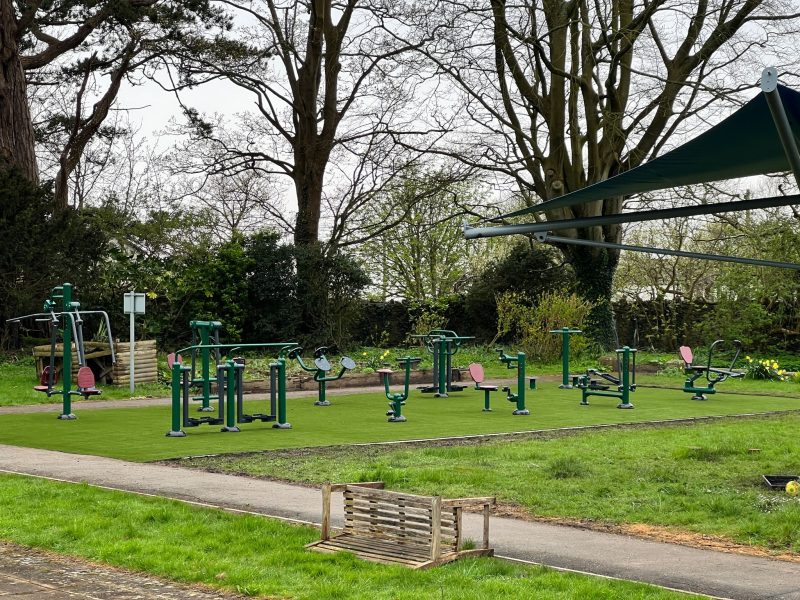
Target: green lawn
[
  {"x": 257, "y": 556},
  {"x": 138, "y": 433},
  {"x": 17, "y": 381},
  {"x": 702, "y": 478}
]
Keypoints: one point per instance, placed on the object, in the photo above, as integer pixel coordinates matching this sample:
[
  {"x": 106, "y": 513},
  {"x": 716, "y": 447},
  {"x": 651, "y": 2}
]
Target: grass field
[
  {"x": 139, "y": 433},
  {"x": 702, "y": 478},
  {"x": 258, "y": 556}
]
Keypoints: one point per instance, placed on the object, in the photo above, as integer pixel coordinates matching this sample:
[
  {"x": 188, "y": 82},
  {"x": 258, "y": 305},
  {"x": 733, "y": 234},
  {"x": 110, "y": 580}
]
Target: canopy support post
[{"x": 769, "y": 85}]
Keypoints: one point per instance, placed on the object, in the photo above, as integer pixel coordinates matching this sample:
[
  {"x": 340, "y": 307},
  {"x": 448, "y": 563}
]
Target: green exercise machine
[
  {"x": 65, "y": 320},
  {"x": 321, "y": 368},
  {"x": 517, "y": 362},
  {"x": 205, "y": 344},
  {"x": 713, "y": 375},
  {"x": 230, "y": 389},
  {"x": 443, "y": 344},
  {"x": 398, "y": 399},
  {"x": 625, "y": 382},
  {"x": 565, "y": 332}
]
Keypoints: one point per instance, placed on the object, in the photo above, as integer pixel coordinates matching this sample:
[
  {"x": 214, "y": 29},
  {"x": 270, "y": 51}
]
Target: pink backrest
[
  {"x": 85, "y": 378},
  {"x": 686, "y": 354},
  {"x": 476, "y": 372},
  {"x": 171, "y": 359},
  {"x": 46, "y": 375}
]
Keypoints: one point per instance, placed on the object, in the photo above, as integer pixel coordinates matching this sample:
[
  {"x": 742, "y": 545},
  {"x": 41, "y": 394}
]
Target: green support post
[
  {"x": 230, "y": 396},
  {"x": 441, "y": 346},
  {"x": 66, "y": 367},
  {"x": 625, "y": 376},
  {"x": 177, "y": 375},
  {"x": 565, "y": 333},
  {"x": 204, "y": 329},
  {"x": 519, "y": 397},
  {"x": 281, "y": 422}
]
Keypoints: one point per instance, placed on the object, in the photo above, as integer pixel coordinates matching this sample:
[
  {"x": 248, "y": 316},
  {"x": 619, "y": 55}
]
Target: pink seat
[
  {"x": 86, "y": 382},
  {"x": 384, "y": 371},
  {"x": 43, "y": 380}
]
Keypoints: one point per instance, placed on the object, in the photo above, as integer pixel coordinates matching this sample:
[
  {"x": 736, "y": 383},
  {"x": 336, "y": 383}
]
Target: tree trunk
[
  {"x": 309, "y": 176},
  {"x": 17, "y": 147},
  {"x": 594, "y": 269}
]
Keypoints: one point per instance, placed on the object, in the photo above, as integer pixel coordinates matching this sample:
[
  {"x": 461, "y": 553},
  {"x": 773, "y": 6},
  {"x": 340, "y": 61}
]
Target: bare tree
[
  {"x": 334, "y": 89},
  {"x": 565, "y": 94}
]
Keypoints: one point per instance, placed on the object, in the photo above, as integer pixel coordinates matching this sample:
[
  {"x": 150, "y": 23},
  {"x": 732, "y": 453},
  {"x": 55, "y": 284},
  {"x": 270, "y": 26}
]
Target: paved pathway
[
  {"x": 27, "y": 574},
  {"x": 702, "y": 571}
]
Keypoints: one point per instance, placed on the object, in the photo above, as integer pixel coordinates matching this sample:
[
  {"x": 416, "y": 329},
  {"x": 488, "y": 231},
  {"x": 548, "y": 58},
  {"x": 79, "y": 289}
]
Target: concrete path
[{"x": 702, "y": 571}]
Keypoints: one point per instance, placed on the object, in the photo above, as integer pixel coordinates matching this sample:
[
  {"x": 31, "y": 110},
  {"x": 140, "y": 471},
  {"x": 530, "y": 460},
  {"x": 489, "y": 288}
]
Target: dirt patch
[{"x": 652, "y": 532}]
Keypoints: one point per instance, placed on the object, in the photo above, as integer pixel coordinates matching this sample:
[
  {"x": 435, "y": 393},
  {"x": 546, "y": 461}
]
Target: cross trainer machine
[
  {"x": 713, "y": 375},
  {"x": 205, "y": 341},
  {"x": 398, "y": 399},
  {"x": 625, "y": 382},
  {"x": 443, "y": 344},
  {"x": 320, "y": 369},
  {"x": 68, "y": 322},
  {"x": 230, "y": 390}
]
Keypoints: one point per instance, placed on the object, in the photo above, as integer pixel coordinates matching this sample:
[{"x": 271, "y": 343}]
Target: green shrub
[{"x": 530, "y": 325}]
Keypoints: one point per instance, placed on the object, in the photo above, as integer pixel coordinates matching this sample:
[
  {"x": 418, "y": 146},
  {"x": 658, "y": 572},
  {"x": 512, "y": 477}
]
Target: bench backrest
[
  {"x": 85, "y": 378},
  {"x": 404, "y": 518},
  {"x": 686, "y": 355},
  {"x": 476, "y": 372}
]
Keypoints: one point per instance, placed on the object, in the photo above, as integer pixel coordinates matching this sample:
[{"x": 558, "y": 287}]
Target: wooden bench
[{"x": 396, "y": 528}]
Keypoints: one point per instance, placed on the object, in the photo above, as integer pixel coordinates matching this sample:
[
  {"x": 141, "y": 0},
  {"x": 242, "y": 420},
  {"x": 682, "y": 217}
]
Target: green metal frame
[
  {"x": 398, "y": 399},
  {"x": 229, "y": 390},
  {"x": 205, "y": 332},
  {"x": 565, "y": 332},
  {"x": 626, "y": 383},
  {"x": 320, "y": 374},
  {"x": 517, "y": 362},
  {"x": 693, "y": 373},
  {"x": 68, "y": 320},
  {"x": 443, "y": 344}
]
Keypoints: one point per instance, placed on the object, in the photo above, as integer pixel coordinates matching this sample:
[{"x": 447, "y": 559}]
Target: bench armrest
[
  {"x": 340, "y": 487},
  {"x": 465, "y": 502}
]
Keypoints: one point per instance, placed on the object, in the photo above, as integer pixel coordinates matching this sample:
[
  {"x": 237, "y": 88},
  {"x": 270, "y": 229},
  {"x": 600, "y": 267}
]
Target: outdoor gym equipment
[
  {"x": 626, "y": 382},
  {"x": 511, "y": 362},
  {"x": 230, "y": 390},
  {"x": 478, "y": 376},
  {"x": 321, "y": 366},
  {"x": 68, "y": 321},
  {"x": 442, "y": 344},
  {"x": 398, "y": 399},
  {"x": 205, "y": 339},
  {"x": 713, "y": 375},
  {"x": 565, "y": 332}
]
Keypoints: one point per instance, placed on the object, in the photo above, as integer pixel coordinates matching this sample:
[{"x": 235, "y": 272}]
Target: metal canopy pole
[
  {"x": 472, "y": 233},
  {"x": 554, "y": 239},
  {"x": 769, "y": 85}
]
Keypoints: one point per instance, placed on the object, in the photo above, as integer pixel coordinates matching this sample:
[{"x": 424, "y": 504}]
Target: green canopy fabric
[{"x": 744, "y": 144}]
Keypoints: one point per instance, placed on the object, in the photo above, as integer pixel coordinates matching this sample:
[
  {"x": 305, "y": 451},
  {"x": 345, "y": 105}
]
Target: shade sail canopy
[{"x": 744, "y": 144}]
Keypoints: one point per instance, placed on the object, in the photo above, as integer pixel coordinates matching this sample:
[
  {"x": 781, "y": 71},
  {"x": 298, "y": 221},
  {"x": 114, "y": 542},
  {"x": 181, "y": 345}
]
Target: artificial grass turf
[
  {"x": 257, "y": 556},
  {"x": 139, "y": 433},
  {"x": 704, "y": 478}
]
